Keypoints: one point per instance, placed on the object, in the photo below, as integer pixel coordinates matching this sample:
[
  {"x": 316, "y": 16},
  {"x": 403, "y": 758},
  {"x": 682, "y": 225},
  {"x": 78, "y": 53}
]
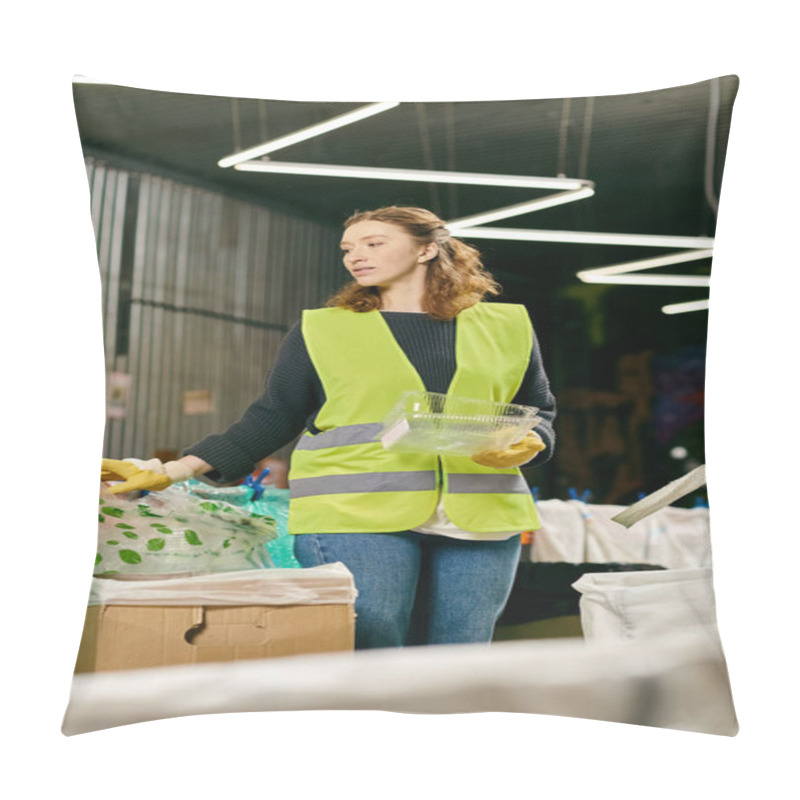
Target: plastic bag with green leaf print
[
  {"x": 262, "y": 499},
  {"x": 173, "y": 532}
]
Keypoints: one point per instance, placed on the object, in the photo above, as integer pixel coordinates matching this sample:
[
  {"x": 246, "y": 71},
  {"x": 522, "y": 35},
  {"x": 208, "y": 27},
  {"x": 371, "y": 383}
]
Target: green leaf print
[
  {"x": 209, "y": 506},
  {"x": 155, "y": 544},
  {"x": 101, "y": 518},
  {"x": 192, "y": 537},
  {"x": 112, "y": 541},
  {"x": 130, "y": 556},
  {"x": 112, "y": 511},
  {"x": 160, "y": 527},
  {"x": 124, "y": 525},
  {"x": 97, "y": 559},
  {"x": 146, "y": 512}
]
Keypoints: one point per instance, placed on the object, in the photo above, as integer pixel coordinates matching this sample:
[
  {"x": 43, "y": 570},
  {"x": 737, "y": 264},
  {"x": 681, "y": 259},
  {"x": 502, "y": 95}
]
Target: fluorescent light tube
[
  {"x": 521, "y": 208},
  {"x": 306, "y": 133},
  {"x": 585, "y": 237},
  {"x": 681, "y": 308},
  {"x": 648, "y": 263},
  {"x": 393, "y": 174},
  {"x": 635, "y": 279}
]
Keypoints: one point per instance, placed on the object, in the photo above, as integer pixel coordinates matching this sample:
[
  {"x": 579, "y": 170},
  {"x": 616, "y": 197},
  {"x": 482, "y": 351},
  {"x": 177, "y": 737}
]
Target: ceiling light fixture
[
  {"x": 523, "y": 208},
  {"x": 585, "y": 237},
  {"x": 636, "y": 279},
  {"x": 681, "y": 308},
  {"x": 306, "y": 133},
  {"x": 647, "y": 263},
  {"x": 630, "y": 273},
  {"x": 428, "y": 176},
  {"x": 253, "y": 160},
  {"x": 572, "y": 189}
]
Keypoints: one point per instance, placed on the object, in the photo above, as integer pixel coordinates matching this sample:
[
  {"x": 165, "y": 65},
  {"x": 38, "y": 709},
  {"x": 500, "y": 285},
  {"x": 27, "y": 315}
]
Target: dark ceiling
[{"x": 655, "y": 159}]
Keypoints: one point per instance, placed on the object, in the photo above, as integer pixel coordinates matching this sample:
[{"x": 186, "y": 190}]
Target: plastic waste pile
[{"x": 192, "y": 529}]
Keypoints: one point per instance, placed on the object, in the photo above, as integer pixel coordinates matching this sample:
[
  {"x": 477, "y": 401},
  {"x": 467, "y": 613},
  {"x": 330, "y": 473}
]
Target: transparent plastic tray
[{"x": 427, "y": 422}]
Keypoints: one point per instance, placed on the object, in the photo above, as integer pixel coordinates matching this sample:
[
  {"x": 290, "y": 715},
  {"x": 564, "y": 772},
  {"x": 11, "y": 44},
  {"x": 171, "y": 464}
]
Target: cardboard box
[
  {"x": 136, "y": 637},
  {"x": 136, "y": 625}
]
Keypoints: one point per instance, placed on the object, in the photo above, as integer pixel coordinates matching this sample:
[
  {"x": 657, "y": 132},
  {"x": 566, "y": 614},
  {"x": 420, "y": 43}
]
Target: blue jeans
[{"x": 416, "y": 588}]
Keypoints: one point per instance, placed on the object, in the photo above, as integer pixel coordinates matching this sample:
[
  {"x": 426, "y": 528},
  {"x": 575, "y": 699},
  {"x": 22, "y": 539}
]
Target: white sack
[
  {"x": 681, "y": 538},
  {"x": 626, "y": 606},
  {"x": 562, "y": 535},
  {"x": 576, "y": 532},
  {"x": 610, "y": 542}
]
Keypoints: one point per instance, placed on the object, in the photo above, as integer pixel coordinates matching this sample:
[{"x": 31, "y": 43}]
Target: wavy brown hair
[{"x": 456, "y": 278}]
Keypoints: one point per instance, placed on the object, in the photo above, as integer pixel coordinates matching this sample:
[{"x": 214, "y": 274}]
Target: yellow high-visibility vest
[{"x": 342, "y": 480}]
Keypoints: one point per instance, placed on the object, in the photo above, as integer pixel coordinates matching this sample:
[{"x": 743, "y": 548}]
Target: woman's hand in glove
[
  {"x": 151, "y": 476},
  {"x": 515, "y": 455}
]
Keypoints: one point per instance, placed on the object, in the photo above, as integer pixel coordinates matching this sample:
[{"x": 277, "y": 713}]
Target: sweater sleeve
[
  {"x": 292, "y": 396},
  {"x": 535, "y": 391}
]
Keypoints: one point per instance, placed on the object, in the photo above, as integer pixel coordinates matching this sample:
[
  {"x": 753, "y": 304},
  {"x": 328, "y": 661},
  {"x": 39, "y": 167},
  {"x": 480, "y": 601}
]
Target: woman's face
[{"x": 380, "y": 254}]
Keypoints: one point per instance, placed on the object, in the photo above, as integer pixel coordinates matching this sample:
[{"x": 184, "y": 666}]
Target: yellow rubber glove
[
  {"x": 152, "y": 475},
  {"x": 135, "y": 479},
  {"x": 515, "y": 455}
]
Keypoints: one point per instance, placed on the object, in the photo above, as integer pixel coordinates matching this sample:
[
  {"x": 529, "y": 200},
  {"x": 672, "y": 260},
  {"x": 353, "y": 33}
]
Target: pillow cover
[{"x": 596, "y": 213}]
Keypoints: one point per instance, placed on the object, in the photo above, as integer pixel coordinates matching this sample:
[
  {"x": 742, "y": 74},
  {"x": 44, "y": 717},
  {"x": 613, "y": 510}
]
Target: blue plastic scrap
[{"x": 256, "y": 485}]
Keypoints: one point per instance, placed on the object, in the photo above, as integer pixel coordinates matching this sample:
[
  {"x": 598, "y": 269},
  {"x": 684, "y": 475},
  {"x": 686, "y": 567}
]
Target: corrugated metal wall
[{"x": 198, "y": 291}]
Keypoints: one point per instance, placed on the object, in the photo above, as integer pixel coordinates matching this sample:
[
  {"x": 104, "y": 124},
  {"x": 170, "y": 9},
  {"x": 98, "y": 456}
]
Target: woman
[{"x": 432, "y": 542}]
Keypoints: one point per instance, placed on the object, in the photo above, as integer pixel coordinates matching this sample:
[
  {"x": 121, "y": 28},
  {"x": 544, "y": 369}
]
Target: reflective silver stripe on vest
[
  {"x": 364, "y": 482},
  {"x": 342, "y": 436},
  {"x": 471, "y": 483}
]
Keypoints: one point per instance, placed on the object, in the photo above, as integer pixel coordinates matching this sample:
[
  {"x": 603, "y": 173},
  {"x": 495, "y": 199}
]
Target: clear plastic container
[{"x": 427, "y": 422}]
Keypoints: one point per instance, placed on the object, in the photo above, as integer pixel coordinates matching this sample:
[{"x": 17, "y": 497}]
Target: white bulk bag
[{"x": 640, "y": 605}]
